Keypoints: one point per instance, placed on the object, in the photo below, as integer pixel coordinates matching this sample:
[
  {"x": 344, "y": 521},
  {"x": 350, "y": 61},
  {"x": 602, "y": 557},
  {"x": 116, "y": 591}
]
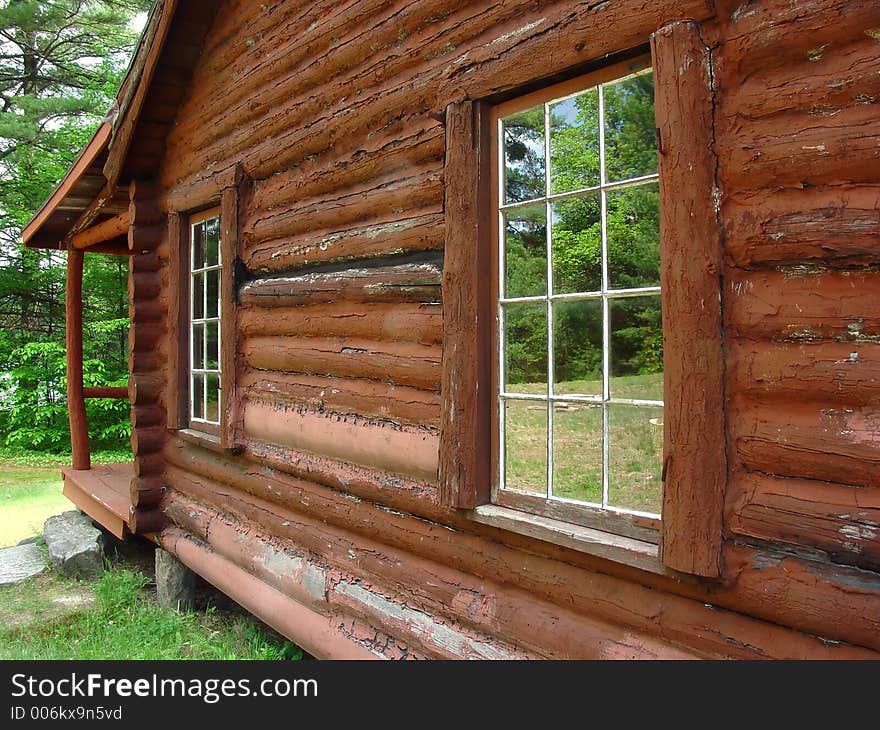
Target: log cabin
[{"x": 499, "y": 330}]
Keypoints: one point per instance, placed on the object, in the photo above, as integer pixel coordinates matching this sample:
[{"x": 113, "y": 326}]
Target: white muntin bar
[
  {"x": 548, "y": 229},
  {"x": 581, "y": 192},
  {"x": 606, "y": 319},
  {"x": 501, "y": 475}
]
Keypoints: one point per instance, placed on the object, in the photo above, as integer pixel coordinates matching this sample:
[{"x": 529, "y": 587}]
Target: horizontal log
[
  {"x": 146, "y": 441},
  {"x": 400, "y": 363},
  {"x": 782, "y": 35},
  {"x": 420, "y": 189},
  {"x": 370, "y": 43},
  {"x": 533, "y": 46},
  {"x": 145, "y": 388},
  {"x": 809, "y": 440},
  {"x": 658, "y": 607},
  {"x": 378, "y": 444},
  {"x": 805, "y": 594},
  {"x": 398, "y": 283},
  {"x": 812, "y": 150},
  {"x": 144, "y": 285},
  {"x": 409, "y": 322},
  {"x": 106, "y": 392},
  {"x": 345, "y": 396},
  {"x": 803, "y": 304},
  {"x": 102, "y": 232},
  {"x": 145, "y": 237},
  {"x": 145, "y": 416},
  {"x": 148, "y": 464},
  {"x": 146, "y": 520},
  {"x": 146, "y": 336},
  {"x": 839, "y": 520},
  {"x": 143, "y": 311},
  {"x": 843, "y": 373},
  {"x": 376, "y": 238},
  {"x": 147, "y": 492},
  {"x": 832, "y": 227},
  {"x": 515, "y": 619},
  {"x": 840, "y": 77},
  {"x": 148, "y": 361},
  {"x": 398, "y": 147}
]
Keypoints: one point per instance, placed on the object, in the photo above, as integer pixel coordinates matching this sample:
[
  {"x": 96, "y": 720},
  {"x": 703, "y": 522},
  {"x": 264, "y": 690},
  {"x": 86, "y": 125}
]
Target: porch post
[{"x": 76, "y": 404}]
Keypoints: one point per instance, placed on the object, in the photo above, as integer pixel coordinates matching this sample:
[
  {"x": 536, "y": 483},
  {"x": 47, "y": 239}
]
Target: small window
[
  {"x": 578, "y": 412},
  {"x": 205, "y": 314}
]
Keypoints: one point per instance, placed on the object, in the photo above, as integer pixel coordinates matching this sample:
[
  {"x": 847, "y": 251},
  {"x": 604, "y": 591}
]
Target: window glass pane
[
  {"x": 198, "y": 346},
  {"x": 213, "y": 345},
  {"x": 636, "y": 348},
  {"x": 525, "y": 251},
  {"x": 635, "y": 440},
  {"x": 577, "y": 347},
  {"x": 525, "y": 348},
  {"x": 212, "y": 241},
  {"x": 213, "y": 282},
  {"x": 577, "y": 451},
  {"x": 198, "y": 396},
  {"x": 525, "y": 446},
  {"x": 630, "y": 130},
  {"x": 633, "y": 236},
  {"x": 197, "y": 283},
  {"x": 523, "y": 139},
  {"x": 577, "y": 245},
  {"x": 574, "y": 142},
  {"x": 212, "y": 398},
  {"x": 198, "y": 249}
]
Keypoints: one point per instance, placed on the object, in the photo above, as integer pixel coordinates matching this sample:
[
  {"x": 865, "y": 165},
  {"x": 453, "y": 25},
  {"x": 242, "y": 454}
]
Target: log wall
[{"x": 331, "y": 495}]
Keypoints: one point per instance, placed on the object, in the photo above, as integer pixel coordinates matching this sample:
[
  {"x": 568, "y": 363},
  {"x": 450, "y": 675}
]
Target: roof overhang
[{"x": 90, "y": 192}]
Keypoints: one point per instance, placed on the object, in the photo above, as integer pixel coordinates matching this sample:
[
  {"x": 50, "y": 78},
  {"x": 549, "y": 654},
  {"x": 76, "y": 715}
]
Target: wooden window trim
[
  {"x": 695, "y": 467},
  {"x": 228, "y": 435}
]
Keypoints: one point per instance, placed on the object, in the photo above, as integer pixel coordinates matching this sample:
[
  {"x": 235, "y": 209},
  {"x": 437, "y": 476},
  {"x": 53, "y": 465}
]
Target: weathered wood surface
[
  {"x": 399, "y": 363},
  {"x": 465, "y": 457},
  {"x": 414, "y": 282},
  {"x": 406, "y": 321},
  {"x": 690, "y": 269},
  {"x": 102, "y": 232},
  {"x": 73, "y": 344},
  {"x": 341, "y": 129},
  {"x": 840, "y": 520}
]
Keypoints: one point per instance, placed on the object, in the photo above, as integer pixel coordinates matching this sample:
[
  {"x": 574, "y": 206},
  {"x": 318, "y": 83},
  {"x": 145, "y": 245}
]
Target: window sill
[
  {"x": 618, "y": 548},
  {"x": 200, "y": 438}
]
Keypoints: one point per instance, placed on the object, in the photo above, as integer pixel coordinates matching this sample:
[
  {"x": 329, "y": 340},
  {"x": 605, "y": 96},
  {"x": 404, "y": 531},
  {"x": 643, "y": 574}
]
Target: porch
[{"x": 102, "y": 492}]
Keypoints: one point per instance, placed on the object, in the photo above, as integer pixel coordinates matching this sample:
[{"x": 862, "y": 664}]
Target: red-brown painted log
[
  {"x": 351, "y": 396},
  {"x": 382, "y": 284},
  {"x": 832, "y": 227},
  {"x": 803, "y": 304},
  {"x": 827, "y": 441},
  {"x": 76, "y": 405},
  {"x": 400, "y": 363},
  {"x": 695, "y": 466},
  {"x": 840, "y": 520},
  {"x": 102, "y": 232},
  {"x": 378, "y": 237},
  {"x": 106, "y": 392},
  {"x": 377, "y": 444},
  {"x": 408, "y": 322}
]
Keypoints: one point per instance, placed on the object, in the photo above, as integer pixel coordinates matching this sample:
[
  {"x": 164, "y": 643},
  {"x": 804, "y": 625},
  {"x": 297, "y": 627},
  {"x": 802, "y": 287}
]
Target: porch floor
[{"x": 102, "y": 492}]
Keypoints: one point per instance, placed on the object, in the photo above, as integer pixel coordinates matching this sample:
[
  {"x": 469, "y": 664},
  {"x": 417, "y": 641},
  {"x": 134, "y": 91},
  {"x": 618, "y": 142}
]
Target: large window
[
  {"x": 578, "y": 427},
  {"x": 205, "y": 316}
]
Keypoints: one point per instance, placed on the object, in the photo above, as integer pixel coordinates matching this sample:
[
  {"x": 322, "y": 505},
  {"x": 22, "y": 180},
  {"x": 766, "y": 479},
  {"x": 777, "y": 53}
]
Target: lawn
[
  {"x": 117, "y": 617},
  {"x": 30, "y": 491},
  {"x": 635, "y": 435}
]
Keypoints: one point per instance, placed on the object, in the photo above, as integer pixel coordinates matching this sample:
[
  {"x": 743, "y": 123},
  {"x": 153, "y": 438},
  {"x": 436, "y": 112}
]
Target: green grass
[
  {"x": 116, "y": 617},
  {"x": 30, "y": 490},
  {"x": 635, "y": 444}
]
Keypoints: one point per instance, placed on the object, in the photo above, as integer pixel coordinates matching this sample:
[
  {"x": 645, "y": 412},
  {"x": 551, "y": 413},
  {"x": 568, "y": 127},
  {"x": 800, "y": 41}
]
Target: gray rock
[
  {"x": 75, "y": 546},
  {"x": 35, "y": 540},
  {"x": 20, "y": 563},
  {"x": 175, "y": 583}
]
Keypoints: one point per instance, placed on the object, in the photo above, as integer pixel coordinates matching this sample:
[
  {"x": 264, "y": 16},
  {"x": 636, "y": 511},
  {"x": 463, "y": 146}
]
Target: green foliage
[
  {"x": 62, "y": 63},
  {"x": 631, "y": 234}
]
